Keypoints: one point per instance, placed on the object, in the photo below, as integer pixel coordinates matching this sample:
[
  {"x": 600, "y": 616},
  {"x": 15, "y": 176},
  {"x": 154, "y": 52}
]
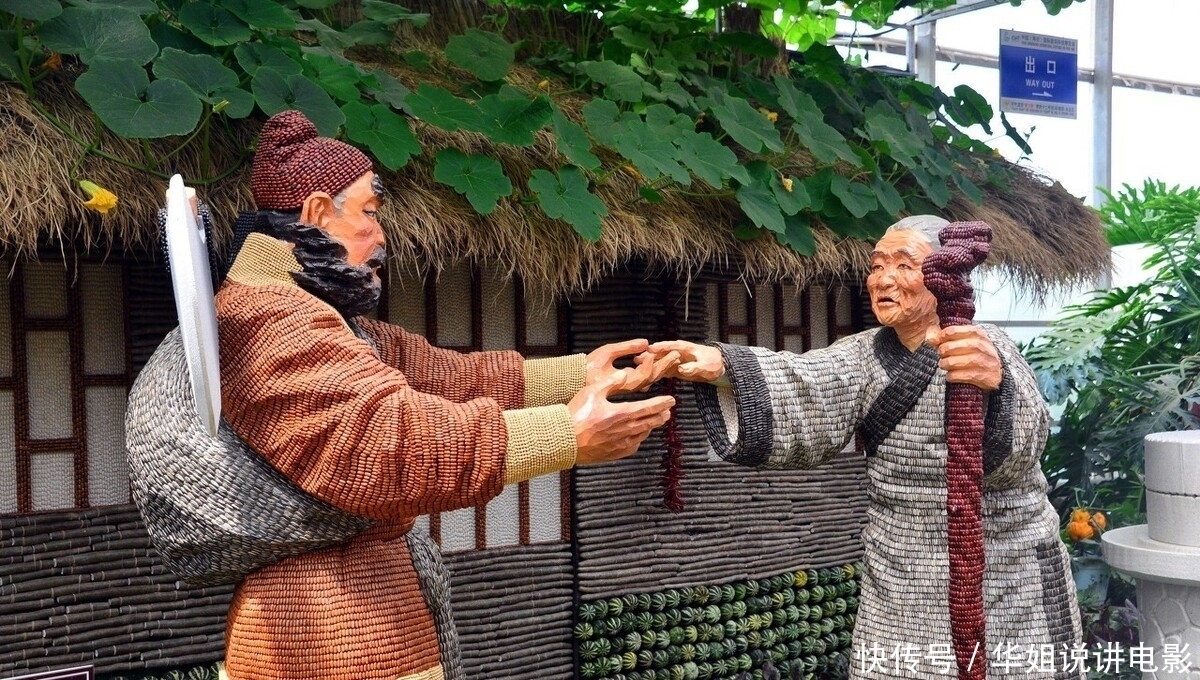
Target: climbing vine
[{"x": 793, "y": 138}]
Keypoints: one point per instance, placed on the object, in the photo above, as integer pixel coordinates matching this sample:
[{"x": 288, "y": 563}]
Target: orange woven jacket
[{"x": 388, "y": 432}]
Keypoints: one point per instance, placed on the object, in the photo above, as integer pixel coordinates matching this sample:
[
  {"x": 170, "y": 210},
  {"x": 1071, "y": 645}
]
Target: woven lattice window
[
  {"x": 468, "y": 309},
  {"x": 780, "y": 316},
  {"x": 64, "y": 377}
]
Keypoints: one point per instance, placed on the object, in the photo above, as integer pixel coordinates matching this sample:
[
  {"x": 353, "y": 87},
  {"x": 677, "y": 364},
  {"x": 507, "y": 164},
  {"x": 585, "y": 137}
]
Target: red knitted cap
[{"x": 293, "y": 161}]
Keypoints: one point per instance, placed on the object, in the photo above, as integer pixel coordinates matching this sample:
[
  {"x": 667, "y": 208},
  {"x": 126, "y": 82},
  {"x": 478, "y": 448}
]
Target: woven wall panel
[
  {"x": 103, "y": 320},
  {"x": 6, "y": 370},
  {"x": 52, "y": 480},
  {"x": 86, "y": 587},
  {"x": 818, "y": 317},
  {"x": 454, "y": 307},
  {"x": 712, "y": 323},
  {"x": 45, "y": 290},
  {"x": 504, "y": 519},
  {"x": 790, "y": 296},
  {"x": 499, "y": 310},
  {"x": 406, "y": 302},
  {"x": 737, "y": 523},
  {"x": 108, "y": 466},
  {"x": 764, "y": 313},
  {"x": 8, "y": 455},
  {"x": 151, "y": 309},
  {"x": 458, "y": 530},
  {"x": 49, "y": 376},
  {"x": 541, "y": 317},
  {"x": 514, "y": 612},
  {"x": 545, "y": 502}
]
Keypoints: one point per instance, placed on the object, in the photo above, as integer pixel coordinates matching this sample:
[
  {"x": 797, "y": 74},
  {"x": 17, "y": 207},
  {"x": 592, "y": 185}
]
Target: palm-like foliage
[{"x": 1126, "y": 362}]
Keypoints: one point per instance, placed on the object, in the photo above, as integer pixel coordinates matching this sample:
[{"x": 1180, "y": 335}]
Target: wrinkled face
[
  {"x": 355, "y": 226},
  {"x": 897, "y": 286}
]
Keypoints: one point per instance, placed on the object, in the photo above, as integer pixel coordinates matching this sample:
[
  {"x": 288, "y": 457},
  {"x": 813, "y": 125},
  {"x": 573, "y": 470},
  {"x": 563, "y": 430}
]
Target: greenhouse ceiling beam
[{"x": 963, "y": 57}]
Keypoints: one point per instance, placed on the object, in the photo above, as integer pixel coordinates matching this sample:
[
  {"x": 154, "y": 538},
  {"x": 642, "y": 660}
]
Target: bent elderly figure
[
  {"x": 376, "y": 422},
  {"x": 781, "y": 410}
]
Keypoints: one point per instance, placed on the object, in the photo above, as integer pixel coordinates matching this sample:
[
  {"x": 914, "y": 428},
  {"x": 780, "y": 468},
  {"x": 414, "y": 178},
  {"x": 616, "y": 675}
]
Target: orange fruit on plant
[
  {"x": 1100, "y": 520},
  {"x": 1080, "y": 515},
  {"x": 1080, "y": 531}
]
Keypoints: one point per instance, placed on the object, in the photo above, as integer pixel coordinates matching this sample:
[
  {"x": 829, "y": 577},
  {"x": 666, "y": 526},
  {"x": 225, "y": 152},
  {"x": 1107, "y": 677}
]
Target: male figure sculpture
[{"x": 375, "y": 421}]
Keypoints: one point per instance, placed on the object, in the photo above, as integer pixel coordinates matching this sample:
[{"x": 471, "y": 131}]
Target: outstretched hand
[
  {"x": 968, "y": 356},
  {"x": 606, "y": 431},
  {"x": 697, "y": 363},
  {"x": 598, "y": 367}
]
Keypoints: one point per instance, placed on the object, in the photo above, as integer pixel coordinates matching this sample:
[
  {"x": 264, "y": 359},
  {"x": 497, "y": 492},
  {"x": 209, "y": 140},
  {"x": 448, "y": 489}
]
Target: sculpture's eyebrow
[{"x": 907, "y": 252}]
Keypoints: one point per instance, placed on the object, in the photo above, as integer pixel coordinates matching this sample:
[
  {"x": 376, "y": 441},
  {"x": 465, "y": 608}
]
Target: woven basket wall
[
  {"x": 86, "y": 587},
  {"x": 513, "y": 608}
]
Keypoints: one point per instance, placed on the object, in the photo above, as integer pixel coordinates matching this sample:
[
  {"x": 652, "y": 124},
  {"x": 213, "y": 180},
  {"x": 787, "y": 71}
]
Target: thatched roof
[{"x": 1044, "y": 237}]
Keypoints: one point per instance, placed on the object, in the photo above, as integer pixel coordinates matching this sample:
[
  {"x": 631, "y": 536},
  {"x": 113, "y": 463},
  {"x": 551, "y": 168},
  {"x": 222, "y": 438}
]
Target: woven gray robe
[{"x": 782, "y": 410}]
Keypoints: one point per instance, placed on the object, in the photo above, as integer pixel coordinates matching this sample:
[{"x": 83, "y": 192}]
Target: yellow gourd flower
[{"x": 99, "y": 199}]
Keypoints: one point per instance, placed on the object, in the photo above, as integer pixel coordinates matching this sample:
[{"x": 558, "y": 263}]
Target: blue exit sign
[{"x": 1039, "y": 74}]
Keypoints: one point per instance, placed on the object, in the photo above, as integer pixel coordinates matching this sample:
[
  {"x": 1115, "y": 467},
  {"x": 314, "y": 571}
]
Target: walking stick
[{"x": 948, "y": 276}]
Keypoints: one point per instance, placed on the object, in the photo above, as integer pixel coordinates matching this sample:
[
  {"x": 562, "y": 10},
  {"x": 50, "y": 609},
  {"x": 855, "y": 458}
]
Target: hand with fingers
[
  {"x": 697, "y": 363},
  {"x": 968, "y": 356},
  {"x": 606, "y": 431},
  {"x": 598, "y": 366}
]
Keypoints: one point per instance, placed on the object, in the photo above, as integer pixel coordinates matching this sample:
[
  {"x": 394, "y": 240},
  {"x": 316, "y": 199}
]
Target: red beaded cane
[{"x": 948, "y": 276}]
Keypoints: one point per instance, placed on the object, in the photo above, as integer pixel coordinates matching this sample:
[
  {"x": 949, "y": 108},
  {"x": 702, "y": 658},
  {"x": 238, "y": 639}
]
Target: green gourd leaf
[
  {"x": 442, "y": 109},
  {"x": 573, "y": 142},
  {"x": 710, "y": 160},
  {"x": 858, "y": 198},
  {"x": 485, "y": 54},
  {"x": 566, "y": 197},
  {"x": 99, "y": 33},
  {"x": 758, "y": 202},
  {"x": 253, "y": 56},
  {"x": 510, "y": 119},
  {"x": 620, "y": 83},
  {"x": 261, "y": 14},
  {"x": 747, "y": 126},
  {"x": 122, "y": 95},
  {"x": 32, "y": 10},
  {"x": 797, "y": 234},
  {"x": 203, "y": 73},
  {"x": 275, "y": 92},
  {"x": 214, "y": 25},
  {"x": 479, "y": 178},
  {"x": 381, "y": 130}
]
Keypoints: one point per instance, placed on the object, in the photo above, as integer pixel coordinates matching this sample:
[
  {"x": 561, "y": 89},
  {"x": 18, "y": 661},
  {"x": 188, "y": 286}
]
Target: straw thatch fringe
[
  {"x": 88, "y": 587},
  {"x": 513, "y": 611},
  {"x": 1043, "y": 235}
]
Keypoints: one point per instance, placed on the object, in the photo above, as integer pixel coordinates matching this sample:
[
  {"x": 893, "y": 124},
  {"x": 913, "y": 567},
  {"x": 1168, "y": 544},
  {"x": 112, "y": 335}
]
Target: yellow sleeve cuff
[
  {"x": 540, "y": 441},
  {"x": 553, "y": 381}
]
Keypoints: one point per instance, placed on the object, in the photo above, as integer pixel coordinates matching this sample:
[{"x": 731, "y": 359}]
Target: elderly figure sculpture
[
  {"x": 375, "y": 421},
  {"x": 777, "y": 410}
]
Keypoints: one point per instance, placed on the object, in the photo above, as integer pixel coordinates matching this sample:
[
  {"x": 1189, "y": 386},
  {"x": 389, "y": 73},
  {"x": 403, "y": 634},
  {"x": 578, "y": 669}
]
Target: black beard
[{"x": 351, "y": 290}]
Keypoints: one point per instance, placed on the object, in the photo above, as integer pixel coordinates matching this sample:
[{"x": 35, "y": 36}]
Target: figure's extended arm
[
  {"x": 457, "y": 376},
  {"x": 785, "y": 410},
  {"x": 317, "y": 403},
  {"x": 1017, "y": 420}
]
